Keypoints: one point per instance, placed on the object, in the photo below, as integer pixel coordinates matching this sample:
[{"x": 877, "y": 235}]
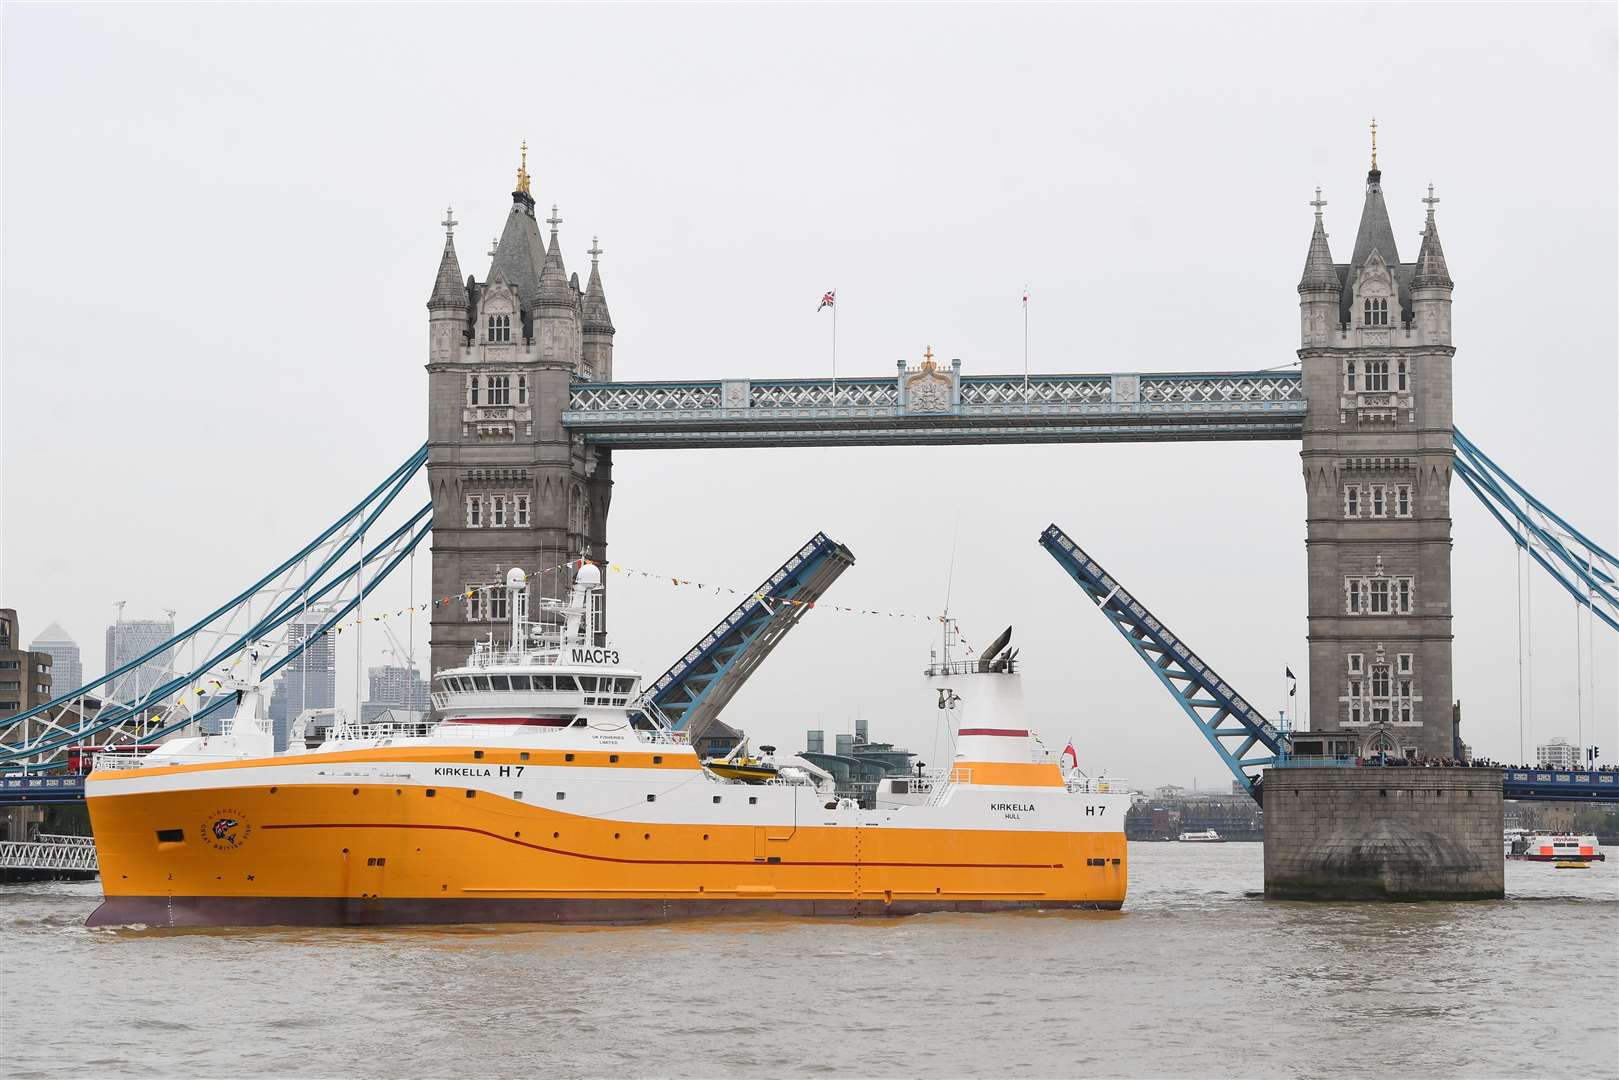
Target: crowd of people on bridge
[{"x": 1393, "y": 760}]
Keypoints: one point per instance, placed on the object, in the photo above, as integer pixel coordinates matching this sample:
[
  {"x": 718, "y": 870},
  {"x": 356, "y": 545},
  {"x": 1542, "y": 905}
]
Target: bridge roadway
[
  {"x": 933, "y": 404},
  {"x": 1522, "y": 785}
]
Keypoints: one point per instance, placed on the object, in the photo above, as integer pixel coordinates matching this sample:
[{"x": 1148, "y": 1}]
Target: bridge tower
[
  {"x": 509, "y": 486},
  {"x": 1376, "y": 355}
]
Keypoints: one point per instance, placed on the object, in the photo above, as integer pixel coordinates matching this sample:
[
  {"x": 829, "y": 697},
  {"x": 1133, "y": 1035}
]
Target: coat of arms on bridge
[{"x": 927, "y": 388}]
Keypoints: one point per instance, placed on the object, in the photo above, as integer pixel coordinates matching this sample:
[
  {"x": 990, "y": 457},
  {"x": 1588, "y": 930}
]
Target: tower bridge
[{"x": 524, "y": 417}]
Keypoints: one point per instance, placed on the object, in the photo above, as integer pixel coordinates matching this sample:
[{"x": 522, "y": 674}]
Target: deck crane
[{"x": 1244, "y": 739}]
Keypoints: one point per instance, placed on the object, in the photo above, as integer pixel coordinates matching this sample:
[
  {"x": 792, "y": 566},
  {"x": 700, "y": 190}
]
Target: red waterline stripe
[
  {"x": 1017, "y": 732},
  {"x": 663, "y": 862}
]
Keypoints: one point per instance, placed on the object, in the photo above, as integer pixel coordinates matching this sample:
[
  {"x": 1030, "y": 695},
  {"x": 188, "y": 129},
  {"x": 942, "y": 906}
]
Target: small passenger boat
[{"x": 1203, "y": 836}]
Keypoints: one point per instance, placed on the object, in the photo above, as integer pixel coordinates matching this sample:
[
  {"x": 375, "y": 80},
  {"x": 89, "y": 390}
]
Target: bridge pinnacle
[
  {"x": 450, "y": 223},
  {"x": 522, "y": 168},
  {"x": 1374, "y": 144}
]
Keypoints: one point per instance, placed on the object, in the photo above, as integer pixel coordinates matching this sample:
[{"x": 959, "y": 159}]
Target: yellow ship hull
[{"x": 337, "y": 854}]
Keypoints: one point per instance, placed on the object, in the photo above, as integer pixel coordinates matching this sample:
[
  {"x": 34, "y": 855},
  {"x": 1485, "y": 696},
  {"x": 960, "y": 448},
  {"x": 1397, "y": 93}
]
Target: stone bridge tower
[
  {"x": 509, "y": 487},
  {"x": 1376, "y": 356}
]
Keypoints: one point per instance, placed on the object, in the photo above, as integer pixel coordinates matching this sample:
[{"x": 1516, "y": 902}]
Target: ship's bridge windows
[
  {"x": 566, "y": 683},
  {"x": 499, "y": 682},
  {"x": 544, "y": 682},
  {"x": 520, "y": 682},
  {"x": 623, "y": 686},
  {"x": 587, "y": 683},
  {"x": 480, "y": 682}
]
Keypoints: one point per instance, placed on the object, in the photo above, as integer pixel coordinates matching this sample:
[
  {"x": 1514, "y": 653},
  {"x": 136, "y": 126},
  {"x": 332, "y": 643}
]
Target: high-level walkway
[{"x": 938, "y": 404}]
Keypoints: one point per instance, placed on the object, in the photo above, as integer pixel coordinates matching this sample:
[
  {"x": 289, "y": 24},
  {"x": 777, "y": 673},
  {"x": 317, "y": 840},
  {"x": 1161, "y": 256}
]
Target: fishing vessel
[{"x": 552, "y": 790}]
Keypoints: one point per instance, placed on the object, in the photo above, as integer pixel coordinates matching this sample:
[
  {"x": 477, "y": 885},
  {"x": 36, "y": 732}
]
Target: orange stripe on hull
[{"x": 307, "y": 848}]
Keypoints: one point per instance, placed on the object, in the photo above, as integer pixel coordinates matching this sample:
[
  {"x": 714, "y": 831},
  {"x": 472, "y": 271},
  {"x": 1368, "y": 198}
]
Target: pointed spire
[
  {"x": 448, "y": 292},
  {"x": 596, "y": 315},
  {"x": 520, "y": 252},
  {"x": 553, "y": 275},
  {"x": 1431, "y": 269},
  {"x": 1319, "y": 272},
  {"x": 1375, "y": 233}
]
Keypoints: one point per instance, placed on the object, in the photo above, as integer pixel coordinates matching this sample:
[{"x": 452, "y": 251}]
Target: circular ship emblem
[{"x": 226, "y": 830}]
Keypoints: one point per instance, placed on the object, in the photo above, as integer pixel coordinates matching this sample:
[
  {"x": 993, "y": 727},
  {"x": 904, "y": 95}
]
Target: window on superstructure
[
  {"x": 499, "y": 682},
  {"x": 480, "y": 682},
  {"x": 499, "y": 327},
  {"x": 500, "y": 389},
  {"x": 587, "y": 683},
  {"x": 544, "y": 682},
  {"x": 1377, "y": 375},
  {"x": 521, "y": 682},
  {"x": 520, "y": 510},
  {"x": 566, "y": 683}
]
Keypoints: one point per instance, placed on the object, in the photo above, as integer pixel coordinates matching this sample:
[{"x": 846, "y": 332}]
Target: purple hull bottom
[{"x": 198, "y": 911}]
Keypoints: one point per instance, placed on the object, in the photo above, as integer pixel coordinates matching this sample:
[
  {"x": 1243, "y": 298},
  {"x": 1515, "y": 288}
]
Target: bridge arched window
[
  {"x": 1377, "y": 376},
  {"x": 522, "y": 389},
  {"x": 1401, "y": 380},
  {"x": 1375, "y": 311},
  {"x": 472, "y": 389},
  {"x": 499, "y": 328},
  {"x": 500, "y": 389},
  {"x": 1349, "y": 376}
]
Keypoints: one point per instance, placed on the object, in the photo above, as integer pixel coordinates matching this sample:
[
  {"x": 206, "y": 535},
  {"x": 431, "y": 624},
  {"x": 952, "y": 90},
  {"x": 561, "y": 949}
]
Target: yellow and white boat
[{"x": 552, "y": 792}]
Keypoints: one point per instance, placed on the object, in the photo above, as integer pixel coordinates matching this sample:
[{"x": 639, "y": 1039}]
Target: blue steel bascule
[{"x": 525, "y": 415}]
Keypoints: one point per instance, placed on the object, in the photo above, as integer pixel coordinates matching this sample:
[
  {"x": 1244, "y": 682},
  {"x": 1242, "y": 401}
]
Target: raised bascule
[{"x": 524, "y": 417}]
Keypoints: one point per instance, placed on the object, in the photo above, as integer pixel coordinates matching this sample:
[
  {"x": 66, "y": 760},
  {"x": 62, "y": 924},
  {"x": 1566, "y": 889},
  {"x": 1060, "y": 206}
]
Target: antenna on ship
[{"x": 949, "y": 586}]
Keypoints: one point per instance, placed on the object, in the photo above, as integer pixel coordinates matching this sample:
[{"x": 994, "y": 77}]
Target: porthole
[
  {"x": 431, "y": 792},
  {"x": 567, "y": 757},
  {"x": 615, "y": 836},
  {"x": 646, "y": 836},
  {"x": 612, "y": 759},
  {"x": 657, "y": 759},
  {"x": 523, "y": 756},
  {"x": 651, "y": 798},
  {"x": 556, "y": 836},
  {"x": 471, "y": 793},
  {"x": 477, "y": 755},
  {"x": 716, "y": 800},
  {"x": 356, "y": 791}
]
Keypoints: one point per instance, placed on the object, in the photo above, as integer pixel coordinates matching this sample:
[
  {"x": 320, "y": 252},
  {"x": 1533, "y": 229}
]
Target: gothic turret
[
  {"x": 597, "y": 322},
  {"x": 1431, "y": 286},
  {"x": 520, "y": 254},
  {"x": 556, "y": 306},
  {"x": 1318, "y": 287},
  {"x": 447, "y": 307}
]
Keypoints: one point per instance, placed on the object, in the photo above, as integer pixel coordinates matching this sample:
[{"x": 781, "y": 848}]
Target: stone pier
[{"x": 1383, "y": 834}]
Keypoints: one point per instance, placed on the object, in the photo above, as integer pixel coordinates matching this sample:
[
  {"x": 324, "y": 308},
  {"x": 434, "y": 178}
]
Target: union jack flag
[{"x": 829, "y": 299}]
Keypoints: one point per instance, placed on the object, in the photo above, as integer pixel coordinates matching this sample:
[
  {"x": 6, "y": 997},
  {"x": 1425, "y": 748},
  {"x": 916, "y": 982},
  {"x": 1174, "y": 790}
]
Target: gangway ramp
[{"x": 698, "y": 685}]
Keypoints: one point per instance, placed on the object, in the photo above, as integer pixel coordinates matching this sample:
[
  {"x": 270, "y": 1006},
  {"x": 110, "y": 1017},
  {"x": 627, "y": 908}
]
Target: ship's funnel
[{"x": 995, "y": 647}]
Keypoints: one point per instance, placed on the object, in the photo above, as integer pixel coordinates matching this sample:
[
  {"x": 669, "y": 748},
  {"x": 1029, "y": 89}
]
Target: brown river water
[{"x": 1195, "y": 977}]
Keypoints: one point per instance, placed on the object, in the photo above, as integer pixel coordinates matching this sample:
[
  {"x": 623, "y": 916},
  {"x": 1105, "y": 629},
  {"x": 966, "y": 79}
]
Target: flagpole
[
  {"x": 834, "y": 346},
  {"x": 1025, "y": 344}
]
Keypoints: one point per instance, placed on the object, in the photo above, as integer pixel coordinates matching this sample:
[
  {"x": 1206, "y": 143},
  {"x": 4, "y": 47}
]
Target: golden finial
[
  {"x": 1374, "y": 143},
  {"x": 522, "y": 169}
]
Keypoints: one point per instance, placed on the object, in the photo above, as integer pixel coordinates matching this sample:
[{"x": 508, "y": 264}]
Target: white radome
[
  {"x": 589, "y": 574},
  {"x": 516, "y": 578}
]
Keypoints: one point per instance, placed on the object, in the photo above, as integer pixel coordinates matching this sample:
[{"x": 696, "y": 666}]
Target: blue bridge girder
[
  {"x": 1244, "y": 739},
  {"x": 939, "y": 405},
  {"x": 693, "y": 691},
  {"x": 1560, "y": 785}
]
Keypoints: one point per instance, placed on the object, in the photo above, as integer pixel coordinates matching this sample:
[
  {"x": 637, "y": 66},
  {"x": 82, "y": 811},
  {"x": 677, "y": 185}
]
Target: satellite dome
[
  {"x": 589, "y": 574},
  {"x": 515, "y": 578}
]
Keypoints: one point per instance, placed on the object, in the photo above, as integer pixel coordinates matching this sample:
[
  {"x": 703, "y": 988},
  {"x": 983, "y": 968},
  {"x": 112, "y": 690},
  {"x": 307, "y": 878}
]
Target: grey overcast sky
[{"x": 220, "y": 231}]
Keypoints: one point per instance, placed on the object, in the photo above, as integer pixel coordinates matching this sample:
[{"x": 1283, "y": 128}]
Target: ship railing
[
  {"x": 938, "y": 782},
  {"x": 664, "y": 732},
  {"x": 119, "y": 760},
  {"x": 49, "y": 852},
  {"x": 1096, "y": 785}
]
